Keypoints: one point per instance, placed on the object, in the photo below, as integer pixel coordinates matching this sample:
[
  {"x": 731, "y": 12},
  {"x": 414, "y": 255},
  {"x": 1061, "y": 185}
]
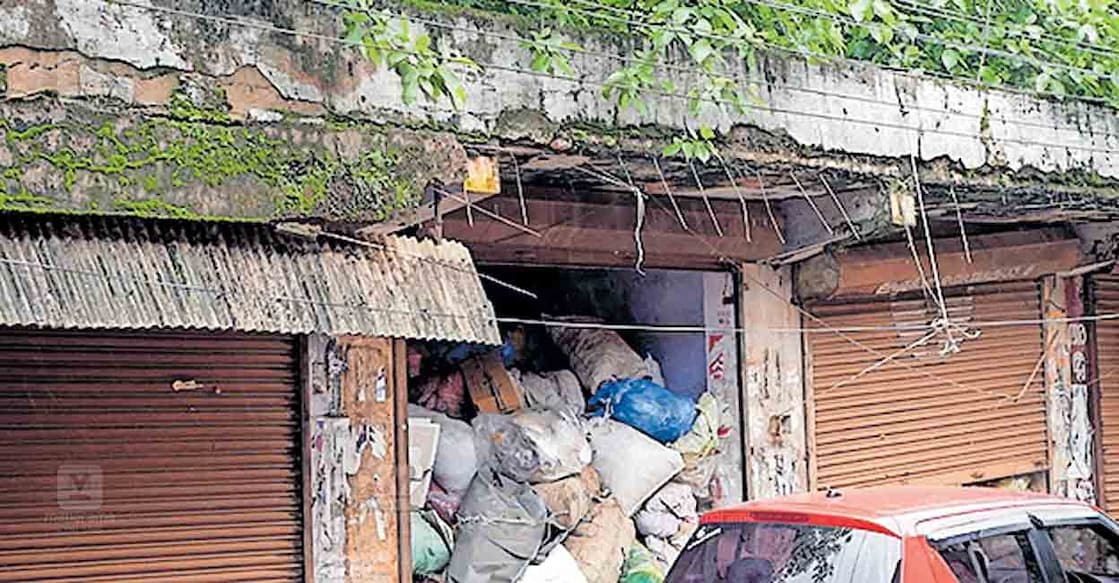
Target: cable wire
[
  {"x": 602, "y": 84},
  {"x": 749, "y": 79},
  {"x": 799, "y": 52}
]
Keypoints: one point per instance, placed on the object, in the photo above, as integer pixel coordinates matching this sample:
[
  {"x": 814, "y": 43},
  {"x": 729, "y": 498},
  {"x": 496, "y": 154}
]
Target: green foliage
[
  {"x": 549, "y": 52},
  {"x": 411, "y": 54},
  {"x": 1064, "y": 47},
  {"x": 697, "y": 146}
]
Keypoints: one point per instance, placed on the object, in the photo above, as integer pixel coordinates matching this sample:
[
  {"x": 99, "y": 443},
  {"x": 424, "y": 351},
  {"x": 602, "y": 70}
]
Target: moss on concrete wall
[{"x": 194, "y": 162}]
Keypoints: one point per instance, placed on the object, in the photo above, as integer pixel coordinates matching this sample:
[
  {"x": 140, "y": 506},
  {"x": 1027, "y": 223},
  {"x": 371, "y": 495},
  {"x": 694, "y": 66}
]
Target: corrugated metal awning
[{"x": 110, "y": 272}]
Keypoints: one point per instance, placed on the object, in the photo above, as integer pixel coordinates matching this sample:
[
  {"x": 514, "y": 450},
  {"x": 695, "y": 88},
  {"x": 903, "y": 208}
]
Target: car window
[
  {"x": 1005, "y": 558},
  {"x": 784, "y": 553},
  {"x": 1086, "y": 549}
]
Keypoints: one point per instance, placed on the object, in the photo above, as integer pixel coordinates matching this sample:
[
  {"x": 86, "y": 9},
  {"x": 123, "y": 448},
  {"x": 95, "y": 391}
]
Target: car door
[
  {"x": 1087, "y": 550},
  {"x": 1021, "y": 554}
]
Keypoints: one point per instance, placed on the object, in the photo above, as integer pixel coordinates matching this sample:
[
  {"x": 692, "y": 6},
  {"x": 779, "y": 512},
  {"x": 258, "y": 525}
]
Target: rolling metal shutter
[
  {"x": 109, "y": 474},
  {"x": 941, "y": 420},
  {"x": 1107, "y": 359}
]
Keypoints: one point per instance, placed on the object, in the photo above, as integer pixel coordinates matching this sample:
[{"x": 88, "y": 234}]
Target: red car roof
[{"x": 874, "y": 508}]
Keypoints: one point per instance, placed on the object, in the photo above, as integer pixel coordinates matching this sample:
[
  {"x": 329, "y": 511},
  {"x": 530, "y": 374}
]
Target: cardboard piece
[{"x": 490, "y": 386}]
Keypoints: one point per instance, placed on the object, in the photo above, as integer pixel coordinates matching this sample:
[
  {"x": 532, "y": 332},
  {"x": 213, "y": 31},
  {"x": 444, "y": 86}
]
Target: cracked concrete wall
[{"x": 826, "y": 108}]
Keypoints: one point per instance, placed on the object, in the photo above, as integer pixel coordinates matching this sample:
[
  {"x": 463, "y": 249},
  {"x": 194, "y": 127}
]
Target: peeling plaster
[
  {"x": 16, "y": 24},
  {"x": 119, "y": 32},
  {"x": 851, "y": 108}
]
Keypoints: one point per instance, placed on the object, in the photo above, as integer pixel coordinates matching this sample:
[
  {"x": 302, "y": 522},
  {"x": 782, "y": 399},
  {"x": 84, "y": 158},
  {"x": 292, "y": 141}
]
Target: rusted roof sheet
[{"x": 108, "y": 272}]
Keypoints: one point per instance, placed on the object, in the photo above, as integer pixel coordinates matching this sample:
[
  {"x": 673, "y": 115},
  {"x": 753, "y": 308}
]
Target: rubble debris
[
  {"x": 570, "y": 499},
  {"x": 597, "y": 356},
  {"x": 491, "y": 387},
  {"x": 632, "y": 465},
  {"x": 501, "y": 529},
  {"x": 555, "y": 391},
  {"x": 432, "y": 541},
  {"x": 648, "y": 407},
  {"x": 601, "y": 544},
  {"x": 455, "y": 457}
]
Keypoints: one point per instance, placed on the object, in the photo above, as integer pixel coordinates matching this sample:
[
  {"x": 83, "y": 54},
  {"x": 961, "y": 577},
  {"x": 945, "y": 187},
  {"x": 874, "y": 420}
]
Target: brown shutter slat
[
  {"x": 198, "y": 485},
  {"x": 1107, "y": 355},
  {"x": 897, "y": 425}
]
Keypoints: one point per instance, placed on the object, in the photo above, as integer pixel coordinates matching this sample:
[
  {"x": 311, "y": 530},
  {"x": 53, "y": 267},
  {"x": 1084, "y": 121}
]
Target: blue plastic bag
[{"x": 645, "y": 406}]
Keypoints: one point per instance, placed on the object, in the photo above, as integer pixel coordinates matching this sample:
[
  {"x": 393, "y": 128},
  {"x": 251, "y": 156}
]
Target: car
[{"x": 903, "y": 534}]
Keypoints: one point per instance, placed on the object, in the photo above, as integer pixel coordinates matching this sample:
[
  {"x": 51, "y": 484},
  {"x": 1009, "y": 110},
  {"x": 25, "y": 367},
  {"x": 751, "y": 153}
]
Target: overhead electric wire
[
  {"x": 581, "y": 81},
  {"x": 1096, "y": 48},
  {"x": 803, "y": 52},
  {"x": 839, "y": 19},
  {"x": 758, "y": 80}
]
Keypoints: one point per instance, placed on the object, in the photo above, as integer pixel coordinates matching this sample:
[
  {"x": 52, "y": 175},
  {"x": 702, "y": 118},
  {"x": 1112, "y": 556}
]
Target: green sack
[
  {"x": 641, "y": 566},
  {"x": 432, "y": 541}
]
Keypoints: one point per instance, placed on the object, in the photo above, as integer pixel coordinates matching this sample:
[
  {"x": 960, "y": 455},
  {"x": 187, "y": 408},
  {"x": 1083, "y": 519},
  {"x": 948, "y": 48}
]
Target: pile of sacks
[{"x": 567, "y": 489}]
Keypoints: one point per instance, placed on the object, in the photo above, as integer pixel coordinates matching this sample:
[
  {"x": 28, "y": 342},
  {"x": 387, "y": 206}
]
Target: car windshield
[{"x": 785, "y": 553}]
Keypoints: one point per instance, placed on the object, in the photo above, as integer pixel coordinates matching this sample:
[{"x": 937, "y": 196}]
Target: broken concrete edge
[{"x": 273, "y": 75}]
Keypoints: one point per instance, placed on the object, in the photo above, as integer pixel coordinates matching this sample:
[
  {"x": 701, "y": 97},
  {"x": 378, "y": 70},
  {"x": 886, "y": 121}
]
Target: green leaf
[
  {"x": 409, "y": 84},
  {"x": 950, "y": 58},
  {"x": 861, "y": 10},
  {"x": 702, "y": 152},
  {"x": 701, "y": 50},
  {"x": 540, "y": 62},
  {"x": 706, "y": 132},
  {"x": 672, "y": 149}
]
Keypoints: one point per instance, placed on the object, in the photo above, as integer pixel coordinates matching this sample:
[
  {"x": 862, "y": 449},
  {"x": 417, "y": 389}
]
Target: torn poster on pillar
[
  {"x": 329, "y": 492},
  {"x": 720, "y": 321},
  {"x": 337, "y": 447}
]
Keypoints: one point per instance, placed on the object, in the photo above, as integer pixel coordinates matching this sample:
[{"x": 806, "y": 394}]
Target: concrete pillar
[
  {"x": 1071, "y": 447},
  {"x": 773, "y": 396},
  {"x": 359, "y": 514}
]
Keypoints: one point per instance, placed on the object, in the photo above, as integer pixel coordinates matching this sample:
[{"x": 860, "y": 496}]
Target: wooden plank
[
  {"x": 580, "y": 232},
  {"x": 889, "y": 269}
]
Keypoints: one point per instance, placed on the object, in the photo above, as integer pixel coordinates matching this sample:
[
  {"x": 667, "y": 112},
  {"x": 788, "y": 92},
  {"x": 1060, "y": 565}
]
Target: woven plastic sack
[
  {"x": 455, "y": 458},
  {"x": 641, "y": 566},
  {"x": 570, "y": 499},
  {"x": 597, "y": 356},
  {"x": 666, "y": 510},
  {"x": 647, "y": 406},
  {"x": 501, "y": 529},
  {"x": 554, "y": 391},
  {"x": 702, "y": 439},
  {"x": 631, "y": 465},
  {"x": 432, "y": 541},
  {"x": 444, "y": 503},
  {"x": 532, "y": 446},
  {"x": 601, "y": 543}
]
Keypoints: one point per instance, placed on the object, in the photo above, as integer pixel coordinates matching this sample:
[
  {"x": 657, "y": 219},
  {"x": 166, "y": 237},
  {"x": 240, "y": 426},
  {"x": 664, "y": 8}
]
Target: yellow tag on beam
[{"x": 482, "y": 176}]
